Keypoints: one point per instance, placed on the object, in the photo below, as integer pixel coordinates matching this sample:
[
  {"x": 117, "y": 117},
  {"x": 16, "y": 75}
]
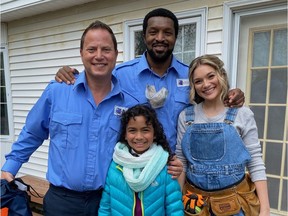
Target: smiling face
[
  {"x": 139, "y": 135},
  {"x": 160, "y": 38},
  {"x": 98, "y": 54},
  {"x": 206, "y": 82}
]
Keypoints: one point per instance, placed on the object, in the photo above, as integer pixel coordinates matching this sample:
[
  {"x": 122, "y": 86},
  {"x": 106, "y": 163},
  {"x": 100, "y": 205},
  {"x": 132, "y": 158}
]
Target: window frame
[
  {"x": 197, "y": 16},
  {"x": 4, "y": 50}
]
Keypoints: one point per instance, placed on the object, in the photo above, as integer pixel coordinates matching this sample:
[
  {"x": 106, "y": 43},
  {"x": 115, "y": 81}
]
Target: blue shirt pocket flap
[
  {"x": 67, "y": 118},
  {"x": 182, "y": 95},
  {"x": 114, "y": 124}
]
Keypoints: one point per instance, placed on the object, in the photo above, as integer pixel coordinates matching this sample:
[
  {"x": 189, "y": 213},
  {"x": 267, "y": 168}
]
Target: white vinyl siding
[{"x": 214, "y": 30}]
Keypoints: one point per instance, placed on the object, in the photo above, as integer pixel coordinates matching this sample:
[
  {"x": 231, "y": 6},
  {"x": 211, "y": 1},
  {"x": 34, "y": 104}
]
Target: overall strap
[
  {"x": 231, "y": 115},
  {"x": 190, "y": 115}
]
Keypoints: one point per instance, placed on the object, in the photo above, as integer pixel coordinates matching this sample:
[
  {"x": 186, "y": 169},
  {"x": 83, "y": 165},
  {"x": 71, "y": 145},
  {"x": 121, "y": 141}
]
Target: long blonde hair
[{"x": 214, "y": 62}]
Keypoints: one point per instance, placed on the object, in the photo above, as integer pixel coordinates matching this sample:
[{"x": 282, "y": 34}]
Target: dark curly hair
[
  {"x": 151, "y": 118},
  {"x": 161, "y": 12}
]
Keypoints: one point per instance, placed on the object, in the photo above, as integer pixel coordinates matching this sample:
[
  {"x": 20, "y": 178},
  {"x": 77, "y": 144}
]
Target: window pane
[
  {"x": 4, "y": 120},
  {"x": 276, "y": 120},
  {"x": 258, "y": 86},
  {"x": 4, "y": 115},
  {"x": 278, "y": 89},
  {"x": 285, "y": 164},
  {"x": 3, "y": 95},
  {"x": 273, "y": 191},
  {"x": 284, "y": 196},
  {"x": 259, "y": 115},
  {"x": 139, "y": 44},
  {"x": 189, "y": 37},
  {"x": 185, "y": 45},
  {"x": 273, "y": 158},
  {"x": 178, "y": 45},
  {"x": 261, "y": 49},
  {"x": 188, "y": 57},
  {"x": 2, "y": 71},
  {"x": 280, "y": 48}
]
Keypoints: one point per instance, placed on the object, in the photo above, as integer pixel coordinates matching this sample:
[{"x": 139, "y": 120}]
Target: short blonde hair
[{"x": 214, "y": 62}]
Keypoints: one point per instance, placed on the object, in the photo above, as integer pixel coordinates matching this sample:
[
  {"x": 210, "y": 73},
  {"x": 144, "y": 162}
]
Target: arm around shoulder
[{"x": 66, "y": 74}]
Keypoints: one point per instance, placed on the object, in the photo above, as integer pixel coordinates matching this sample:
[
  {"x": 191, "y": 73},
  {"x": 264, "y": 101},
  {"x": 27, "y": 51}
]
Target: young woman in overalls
[{"x": 216, "y": 144}]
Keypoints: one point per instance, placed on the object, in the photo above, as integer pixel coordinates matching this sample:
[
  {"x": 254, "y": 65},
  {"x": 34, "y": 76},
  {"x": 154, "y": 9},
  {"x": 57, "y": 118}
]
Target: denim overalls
[{"x": 215, "y": 152}]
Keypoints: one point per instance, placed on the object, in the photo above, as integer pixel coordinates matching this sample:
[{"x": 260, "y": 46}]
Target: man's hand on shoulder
[
  {"x": 235, "y": 98},
  {"x": 175, "y": 167},
  {"x": 66, "y": 74}
]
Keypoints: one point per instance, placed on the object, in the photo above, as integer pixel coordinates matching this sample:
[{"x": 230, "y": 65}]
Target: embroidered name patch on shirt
[
  {"x": 182, "y": 82},
  {"x": 118, "y": 111}
]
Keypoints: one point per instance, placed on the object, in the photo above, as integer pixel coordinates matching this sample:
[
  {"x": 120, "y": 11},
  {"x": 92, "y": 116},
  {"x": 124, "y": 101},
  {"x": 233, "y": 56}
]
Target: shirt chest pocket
[
  {"x": 112, "y": 135},
  {"x": 181, "y": 97},
  {"x": 65, "y": 129}
]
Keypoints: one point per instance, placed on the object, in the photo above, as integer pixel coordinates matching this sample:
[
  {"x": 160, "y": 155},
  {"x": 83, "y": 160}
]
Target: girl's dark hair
[
  {"x": 98, "y": 25},
  {"x": 161, "y": 12},
  {"x": 151, "y": 118}
]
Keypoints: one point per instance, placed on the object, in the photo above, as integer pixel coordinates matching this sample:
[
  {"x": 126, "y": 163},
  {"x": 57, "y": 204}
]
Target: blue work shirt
[
  {"x": 136, "y": 74},
  {"x": 82, "y": 134}
]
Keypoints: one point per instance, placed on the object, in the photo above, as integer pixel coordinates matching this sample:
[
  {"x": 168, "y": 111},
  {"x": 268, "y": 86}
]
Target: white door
[{"x": 262, "y": 74}]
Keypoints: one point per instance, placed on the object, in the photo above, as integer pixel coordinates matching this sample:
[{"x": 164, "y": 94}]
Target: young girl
[
  {"x": 137, "y": 182},
  {"x": 216, "y": 144}
]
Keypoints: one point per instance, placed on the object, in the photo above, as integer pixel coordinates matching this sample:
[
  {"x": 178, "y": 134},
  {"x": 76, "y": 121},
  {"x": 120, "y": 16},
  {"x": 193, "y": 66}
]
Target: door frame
[{"x": 233, "y": 12}]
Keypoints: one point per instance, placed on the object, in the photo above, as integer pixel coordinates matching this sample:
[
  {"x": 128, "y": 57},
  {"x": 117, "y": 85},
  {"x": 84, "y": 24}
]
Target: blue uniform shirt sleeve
[{"x": 34, "y": 132}]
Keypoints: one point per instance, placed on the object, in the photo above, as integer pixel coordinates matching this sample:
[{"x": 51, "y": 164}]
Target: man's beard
[{"x": 159, "y": 58}]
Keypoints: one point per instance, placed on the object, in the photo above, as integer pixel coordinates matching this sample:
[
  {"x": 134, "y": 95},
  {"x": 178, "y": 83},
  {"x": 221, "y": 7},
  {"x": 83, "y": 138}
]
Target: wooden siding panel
[
  {"x": 214, "y": 48},
  {"x": 215, "y": 12},
  {"x": 30, "y": 86},
  {"x": 214, "y": 37},
  {"x": 215, "y": 24},
  {"x": 214, "y": 30},
  {"x": 25, "y": 93}
]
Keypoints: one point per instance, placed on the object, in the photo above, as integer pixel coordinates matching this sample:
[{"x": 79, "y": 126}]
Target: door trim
[{"x": 233, "y": 12}]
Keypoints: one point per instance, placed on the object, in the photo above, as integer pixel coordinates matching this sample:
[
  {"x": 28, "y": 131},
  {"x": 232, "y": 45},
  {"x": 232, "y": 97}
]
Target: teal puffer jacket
[{"x": 162, "y": 197}]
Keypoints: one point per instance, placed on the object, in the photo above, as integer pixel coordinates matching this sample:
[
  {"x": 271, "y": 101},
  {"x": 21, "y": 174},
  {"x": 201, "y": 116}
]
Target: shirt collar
[
  {"x": 81, "y": 81},
  {"x": 144, "y": 66}
]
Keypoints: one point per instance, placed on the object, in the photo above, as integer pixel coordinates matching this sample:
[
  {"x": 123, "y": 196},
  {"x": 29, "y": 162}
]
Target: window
[
  {"x": 4, "y": 96},
  {"x": 268, "y": 75},
  {"x": 190, "y": 40}
]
